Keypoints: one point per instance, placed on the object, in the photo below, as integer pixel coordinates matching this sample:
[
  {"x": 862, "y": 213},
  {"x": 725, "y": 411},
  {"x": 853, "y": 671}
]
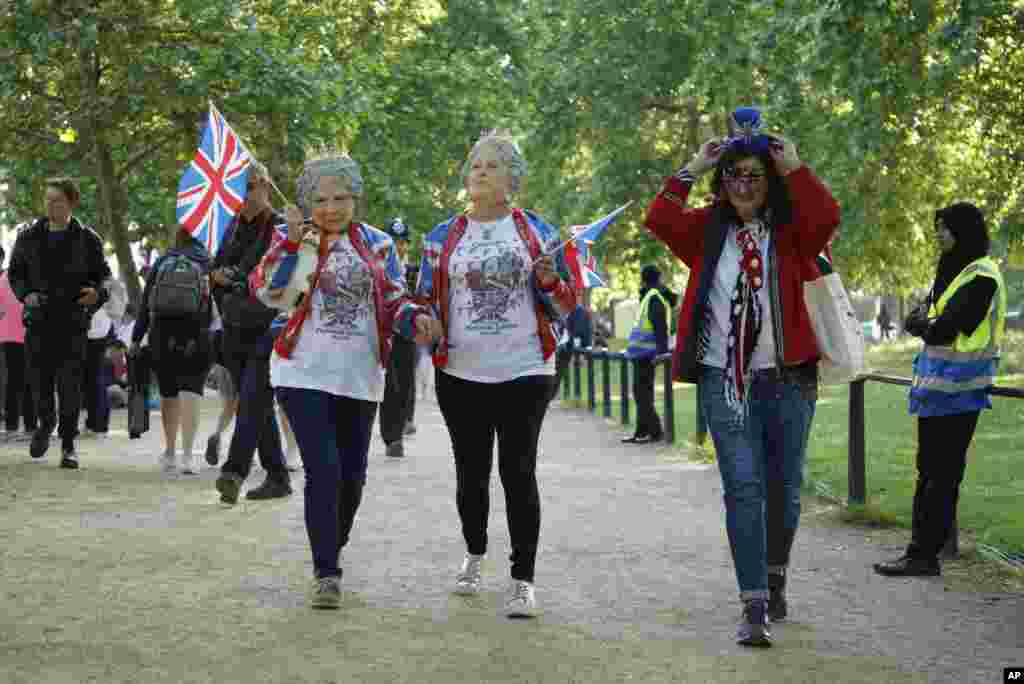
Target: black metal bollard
[
  {"x": 591, "y": 390},
  {"x": 855, "y": 475},
  {"x": 670, "y": 403},
  {"x": 624, "y": 388},
  {"x": 702, "y": 425},
  {"x": 577, "y": 376},
  {"x": 606, "y": 373}
]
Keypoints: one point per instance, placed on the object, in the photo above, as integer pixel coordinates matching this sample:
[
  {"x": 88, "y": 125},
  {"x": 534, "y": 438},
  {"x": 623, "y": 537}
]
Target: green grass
[{"x": 990, "y": 496}]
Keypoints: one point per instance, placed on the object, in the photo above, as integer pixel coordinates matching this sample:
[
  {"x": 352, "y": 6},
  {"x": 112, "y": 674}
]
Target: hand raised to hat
[
  {"x": 707, "y": 156},
  {"x": 783, "y": 153}
]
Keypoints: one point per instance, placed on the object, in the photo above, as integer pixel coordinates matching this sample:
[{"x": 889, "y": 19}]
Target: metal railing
[{"x": 572, "y": 387}]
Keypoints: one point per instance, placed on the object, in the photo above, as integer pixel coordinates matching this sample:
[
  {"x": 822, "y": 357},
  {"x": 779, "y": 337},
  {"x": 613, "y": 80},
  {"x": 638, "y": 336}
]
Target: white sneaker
[
  {"x": 521, "y": 600},
  {"x": 190, "y": 464},
  {"x": 467, "y": 582},
  {"x": 167, "y": 461}
]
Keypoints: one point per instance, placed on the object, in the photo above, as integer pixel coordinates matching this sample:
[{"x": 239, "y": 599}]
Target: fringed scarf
[{"x": 745, "y": 315}]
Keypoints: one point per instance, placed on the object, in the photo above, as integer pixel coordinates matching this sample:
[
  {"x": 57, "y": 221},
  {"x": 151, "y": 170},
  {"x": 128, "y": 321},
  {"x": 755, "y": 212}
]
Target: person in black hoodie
[
  {"x": 60, "y": 274},
  {"x": 652, "y": 321},
  {"x": 179, "y": 344},
  {"x": 247, "y": 345}
]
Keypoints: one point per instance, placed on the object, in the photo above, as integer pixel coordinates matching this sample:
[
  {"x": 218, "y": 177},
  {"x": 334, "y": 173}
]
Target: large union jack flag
[{"x": 212, "y": 188}]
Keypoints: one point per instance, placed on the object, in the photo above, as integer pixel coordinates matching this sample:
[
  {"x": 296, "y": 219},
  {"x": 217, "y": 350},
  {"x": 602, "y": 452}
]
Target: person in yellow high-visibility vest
[
  {"x": 648, "y": 339},
  {"x": 962, "y": 328}
]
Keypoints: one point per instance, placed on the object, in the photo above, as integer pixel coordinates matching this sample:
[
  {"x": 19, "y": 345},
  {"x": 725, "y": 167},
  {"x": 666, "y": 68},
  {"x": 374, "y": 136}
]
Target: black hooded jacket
[{"x": 966, "y": 309}]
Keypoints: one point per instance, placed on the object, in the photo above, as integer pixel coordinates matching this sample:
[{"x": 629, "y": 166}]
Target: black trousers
[
  {"x": 942, "y": 443},
  {"x": 647, "y": 421},
  {"x": 247, "y": 358},
  {"x": 18, "y": 401},
  {"x": 97, "y": 406},
  {"x": 399, "y": 390},
  {"x": 475, "y": 413},
  {"x": 55, "y": 359}
]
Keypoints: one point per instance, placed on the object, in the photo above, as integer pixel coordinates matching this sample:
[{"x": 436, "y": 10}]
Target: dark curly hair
[{"x": 777, "y": 200}]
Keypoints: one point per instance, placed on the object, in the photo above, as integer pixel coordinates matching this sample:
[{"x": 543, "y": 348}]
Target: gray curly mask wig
[{"x": 332, "y": 166}]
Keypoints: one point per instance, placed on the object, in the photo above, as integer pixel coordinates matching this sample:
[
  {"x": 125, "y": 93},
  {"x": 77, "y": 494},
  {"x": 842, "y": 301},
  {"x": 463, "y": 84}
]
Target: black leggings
[{"x": 514, "y": 411}]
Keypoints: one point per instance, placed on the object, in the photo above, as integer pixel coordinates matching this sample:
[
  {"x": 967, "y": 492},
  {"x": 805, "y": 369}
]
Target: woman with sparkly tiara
[
  {"x": 745, "y": 338},
  {"x": 328, "y": 363},
  {"x": 496, "y": 291}
]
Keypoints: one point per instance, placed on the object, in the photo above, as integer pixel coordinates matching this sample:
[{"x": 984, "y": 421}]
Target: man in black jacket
[
  {"x": 59, "y": 272},
  {"x": 247, "y": 346}
]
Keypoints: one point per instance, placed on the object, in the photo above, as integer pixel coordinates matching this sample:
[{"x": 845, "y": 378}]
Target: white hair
[{"x": 507, "y": 149}]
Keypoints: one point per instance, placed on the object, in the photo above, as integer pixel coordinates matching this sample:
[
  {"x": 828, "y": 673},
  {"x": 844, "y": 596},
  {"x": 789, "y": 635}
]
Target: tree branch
[{"x": 144, "y": 153}]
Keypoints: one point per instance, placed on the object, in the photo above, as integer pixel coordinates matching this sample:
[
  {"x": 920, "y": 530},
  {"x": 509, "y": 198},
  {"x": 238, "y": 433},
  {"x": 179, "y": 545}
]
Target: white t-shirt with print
[
  {"x": 492, "y": 327},
  {"x": 337, "y": 351},
  {"x": 720, "y": 299}
]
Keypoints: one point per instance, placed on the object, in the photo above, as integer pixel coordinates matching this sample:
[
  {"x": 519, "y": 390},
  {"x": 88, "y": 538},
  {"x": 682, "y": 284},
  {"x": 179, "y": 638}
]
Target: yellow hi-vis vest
[
  {"x": 957, "y": 378},
  {"x": 642, "y": 342}
]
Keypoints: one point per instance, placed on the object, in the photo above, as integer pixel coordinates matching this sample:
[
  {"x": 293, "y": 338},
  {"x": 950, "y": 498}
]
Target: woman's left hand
[
  {"x": 783, "y": 152},
  {"x": 544, "y": 270}
]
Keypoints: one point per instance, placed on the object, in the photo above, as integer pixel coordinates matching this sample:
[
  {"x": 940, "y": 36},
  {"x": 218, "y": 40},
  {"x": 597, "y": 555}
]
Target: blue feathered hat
[{"x": 745, "y": 134}]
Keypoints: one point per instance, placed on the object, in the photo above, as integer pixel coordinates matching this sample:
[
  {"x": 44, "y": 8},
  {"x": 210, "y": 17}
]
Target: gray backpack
[{"x": 180, "y": 289}]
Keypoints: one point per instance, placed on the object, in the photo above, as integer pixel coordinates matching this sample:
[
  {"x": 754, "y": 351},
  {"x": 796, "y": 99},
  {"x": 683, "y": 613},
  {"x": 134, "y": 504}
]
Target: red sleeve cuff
[{"x": 290, "y": 246}]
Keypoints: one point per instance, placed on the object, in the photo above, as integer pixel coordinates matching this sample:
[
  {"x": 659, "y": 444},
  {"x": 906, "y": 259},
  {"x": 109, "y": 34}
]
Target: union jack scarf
[{"x": 745, "y": 315}]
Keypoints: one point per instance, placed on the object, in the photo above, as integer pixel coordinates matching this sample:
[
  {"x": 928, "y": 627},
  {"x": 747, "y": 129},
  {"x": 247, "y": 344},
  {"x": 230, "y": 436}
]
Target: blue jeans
[
  {"x": 333, "y": 434},
  {"x": 761, "y": 461}
]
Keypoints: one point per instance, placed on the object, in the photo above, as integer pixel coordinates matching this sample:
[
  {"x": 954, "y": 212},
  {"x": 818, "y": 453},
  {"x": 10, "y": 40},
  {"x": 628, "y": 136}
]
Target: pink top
[{"x": 11, "y": 327}]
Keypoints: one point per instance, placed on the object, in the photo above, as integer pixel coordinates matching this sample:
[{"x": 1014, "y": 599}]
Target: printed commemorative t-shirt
[
  {"x": 337, "y": 349},
  {"x": 492, "y": 329}
]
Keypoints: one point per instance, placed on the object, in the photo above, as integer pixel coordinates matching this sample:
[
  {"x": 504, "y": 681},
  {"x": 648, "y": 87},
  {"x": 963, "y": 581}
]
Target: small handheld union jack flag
[
  {"x": 212, "y": 188},
  {"x": 582, "y": 264},
  {"x": 578, "y": 249}
]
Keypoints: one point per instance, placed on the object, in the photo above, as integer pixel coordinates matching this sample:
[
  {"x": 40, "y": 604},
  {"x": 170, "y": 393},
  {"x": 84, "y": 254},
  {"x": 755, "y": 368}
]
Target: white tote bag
[{"x": 838, "y": 331}]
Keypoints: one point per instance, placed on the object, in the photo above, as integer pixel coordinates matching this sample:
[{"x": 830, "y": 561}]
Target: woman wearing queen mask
[
  {"x": 745, "y": 338},
  {"x": 328, "y": 362},
  {"x": 496, "y": 292}
]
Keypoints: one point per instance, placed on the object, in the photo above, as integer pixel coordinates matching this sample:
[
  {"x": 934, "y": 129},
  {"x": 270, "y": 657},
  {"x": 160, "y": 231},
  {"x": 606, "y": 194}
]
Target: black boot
[
  {"x": 906, "y": 566},
  {"x": 274, "y": 487},
  {"x": 350, "y": 495},
  {"x": 777, "y": 596}
]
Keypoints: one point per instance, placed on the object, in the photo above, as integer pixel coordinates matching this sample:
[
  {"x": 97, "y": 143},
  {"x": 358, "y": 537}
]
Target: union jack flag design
[
  {"x": 582, "y": 264},
  {"x": 212, "y": 188},
  {"x": 578, "y": 253}
]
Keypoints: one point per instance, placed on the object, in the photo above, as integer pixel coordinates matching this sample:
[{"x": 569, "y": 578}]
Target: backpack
[{"x": 180, "y": 288}]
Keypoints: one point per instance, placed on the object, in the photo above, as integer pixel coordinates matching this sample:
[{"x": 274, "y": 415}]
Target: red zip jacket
[{"x": 692, "y": 237}]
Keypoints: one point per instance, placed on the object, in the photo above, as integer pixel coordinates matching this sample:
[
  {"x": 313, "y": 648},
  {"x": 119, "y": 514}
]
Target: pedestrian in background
[
  {"x": 647, "y": 340},
  {"x": 962, "y": 324},
  {"x": 60, "y": 273},
  {"x": 19, "y": 409}
]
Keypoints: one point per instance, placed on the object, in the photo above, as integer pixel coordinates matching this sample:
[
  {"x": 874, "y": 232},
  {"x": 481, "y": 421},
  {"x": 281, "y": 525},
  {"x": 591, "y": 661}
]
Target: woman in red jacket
[{"x": 745, "y": 338}]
